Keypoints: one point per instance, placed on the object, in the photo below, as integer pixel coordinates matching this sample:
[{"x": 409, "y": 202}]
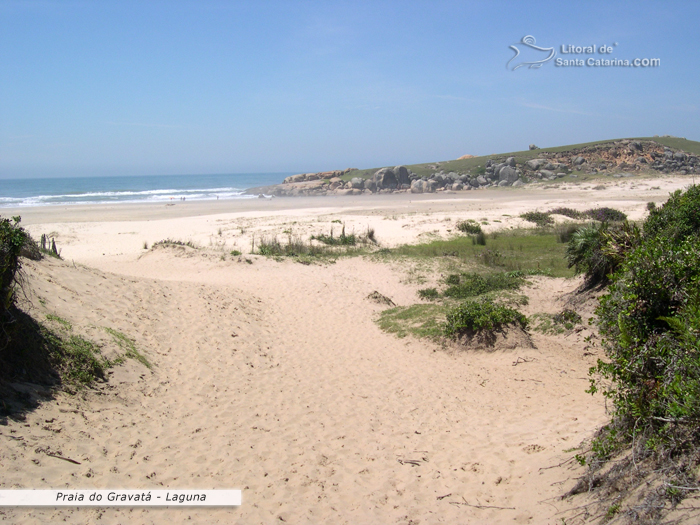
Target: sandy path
[{"x": 273, "y": 378}]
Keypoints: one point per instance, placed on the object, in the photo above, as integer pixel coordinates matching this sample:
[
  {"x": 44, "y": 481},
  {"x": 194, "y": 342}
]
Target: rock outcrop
[{"x": 622, "y": 158}]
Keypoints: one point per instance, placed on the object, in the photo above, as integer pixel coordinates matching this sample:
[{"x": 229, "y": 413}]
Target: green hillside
[{"x": 474, "y": 164}]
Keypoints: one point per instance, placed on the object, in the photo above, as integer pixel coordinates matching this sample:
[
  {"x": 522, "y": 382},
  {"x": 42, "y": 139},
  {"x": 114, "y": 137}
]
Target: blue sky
[{"x": 105, "y": 87}]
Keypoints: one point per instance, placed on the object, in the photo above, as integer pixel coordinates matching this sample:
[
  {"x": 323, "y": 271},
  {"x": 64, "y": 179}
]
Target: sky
[{"x": 97, "y": 88}]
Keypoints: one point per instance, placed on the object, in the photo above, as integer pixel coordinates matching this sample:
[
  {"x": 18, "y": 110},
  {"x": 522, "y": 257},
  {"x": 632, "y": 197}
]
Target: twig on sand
[
  {"x": 465, "y": 503},
  {"x": 445, "y": 496},
  {"x": 69, "y": 460},
  {"x": 555, "y": 466},
  {"x": 523, "y": 360},
  {"x": 58, "y": 456}
]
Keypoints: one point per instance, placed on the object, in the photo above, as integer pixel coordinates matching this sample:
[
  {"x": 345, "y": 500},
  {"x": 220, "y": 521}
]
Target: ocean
[{"x": 155, "y": 188}]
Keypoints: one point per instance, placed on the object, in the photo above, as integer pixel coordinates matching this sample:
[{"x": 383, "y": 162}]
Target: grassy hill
[{"x": 474, "y": 164}]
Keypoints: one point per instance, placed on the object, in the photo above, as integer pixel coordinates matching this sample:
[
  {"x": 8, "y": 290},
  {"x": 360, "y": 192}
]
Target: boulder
[
  {"x": 679, "y": 155},
  {"x": 481, "y": 180},
  {"x": 510, "y": 161},
  {"x": 532, "y": 146},
  {"x": 402, "y": 174},
  {"x": 457, "y": 186},
  {"x": 536, "y": 164},
  {"x": 578, "y": 161},
  {"x": 357, "y": 183},
  {"x": 547, "y": 173},
  {"x": 508, "y": 173},
  {"x": 386, "y": 179},
  {"x": 417, "y": 186},
  {"x": 430, "y": 186},
  {"x": 370, "y": 185},
  {"x": 518, "y": 183},
  {"x": 504, "y": 183}
]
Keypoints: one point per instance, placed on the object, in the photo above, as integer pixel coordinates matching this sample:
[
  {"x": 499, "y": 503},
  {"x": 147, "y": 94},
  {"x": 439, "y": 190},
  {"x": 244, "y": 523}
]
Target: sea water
[{"x": 156, "y": 188}]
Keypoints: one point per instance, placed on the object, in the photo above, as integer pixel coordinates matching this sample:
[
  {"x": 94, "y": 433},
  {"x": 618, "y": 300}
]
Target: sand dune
[{"x": 273, "y": 377}]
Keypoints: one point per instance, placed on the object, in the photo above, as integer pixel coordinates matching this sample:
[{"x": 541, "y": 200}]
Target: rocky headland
[{"x": 621, "y": 158}]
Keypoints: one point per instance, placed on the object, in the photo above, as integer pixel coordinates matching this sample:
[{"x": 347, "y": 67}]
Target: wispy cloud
[
  {"x": 557, "y": 109},
  {"x": 143, "y": 124}
]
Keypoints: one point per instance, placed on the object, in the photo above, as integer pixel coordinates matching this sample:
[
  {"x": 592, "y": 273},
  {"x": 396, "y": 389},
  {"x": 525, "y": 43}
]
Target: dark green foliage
[
  {"x": 480, "y": 239},
  {"x": 568, "y": 212},
  {"x": 567, "y": 318},
  {"x": 650, "y": 324},
  {"x": 585, "y": 254},
  {"x": 566, "y": 231},
  {"x": 540, "y": 218},
  {"x": 472, "y": 284},
  {"x": 678, "y": 218},
  {"x": 605, "y": 215},
  {"x": 453, "y": 279},
  {"x": 428, "y": 293},
  {"x": 473, "y": 316},
  {"x": 12, "y": 240},
  {"x": 470, "y": 226}
]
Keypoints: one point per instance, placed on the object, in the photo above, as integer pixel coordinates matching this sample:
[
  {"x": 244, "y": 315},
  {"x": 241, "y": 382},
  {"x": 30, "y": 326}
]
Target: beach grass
[{"x": 523, "y": 250}]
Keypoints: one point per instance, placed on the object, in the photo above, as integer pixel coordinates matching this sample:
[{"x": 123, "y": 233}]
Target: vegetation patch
[
  {"x": 567, "y": 212},
  {"x": 173, "y": 242},
  {"x": 469, "y": 226},
  {"x": 606, "y": 214},
  {"x": 555, "y": 324},
  {"x": 528, "y": 251},
  {"x": 128, "y": 346},
  {"x": 540, "y": 218},
  {"x": 472, "y": 285},
  {"x": 428, "y": 293},
  {"x": 650, "y": 326},
  {"x": 418, "y": 320},
  {"x": 475, "y": 316}
]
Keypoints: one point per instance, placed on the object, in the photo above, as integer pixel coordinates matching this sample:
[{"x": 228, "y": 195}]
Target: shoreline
[{"x": 390, "y": 201}]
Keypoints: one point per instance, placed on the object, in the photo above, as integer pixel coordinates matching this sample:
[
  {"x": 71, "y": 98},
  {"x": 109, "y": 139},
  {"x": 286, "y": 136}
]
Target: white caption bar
[{"x": 120, "y": 498}]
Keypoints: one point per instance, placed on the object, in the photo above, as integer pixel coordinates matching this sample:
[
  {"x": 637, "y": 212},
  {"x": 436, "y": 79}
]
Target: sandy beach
[{"x": 272, "y": 376}]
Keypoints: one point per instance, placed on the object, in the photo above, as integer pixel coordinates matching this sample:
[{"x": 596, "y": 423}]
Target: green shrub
[
  {"x": 428, "y": 293},
  {"x": 678, "y": 218},
  {"x": 567, "y": 212},
  {"x": 479, "y": 239},
  {"x": 472, "y": 285},
  {"x": 565, "y": 232},
  {"x": 584, "y": 254},
  {"x": 540, "y": 218},
  {"x": 453, "y": 279},
  {"x": 605, "y": 214},
  {"x": 567, "y": 318},
  {"x": 469, "y": 226},
  {"x": 650, "y": 324},
  {"x": 12, "y": 239},
  {"x": 475, "y": 316}
]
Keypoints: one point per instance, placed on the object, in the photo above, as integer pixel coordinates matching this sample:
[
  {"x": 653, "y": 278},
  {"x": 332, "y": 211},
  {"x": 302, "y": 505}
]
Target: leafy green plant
[
  {"x": 469, "y": 226},
  {"x": 474, "y": 316},
  {"x": 605, "y": 214},
  {"x": 540, "y": 218}
]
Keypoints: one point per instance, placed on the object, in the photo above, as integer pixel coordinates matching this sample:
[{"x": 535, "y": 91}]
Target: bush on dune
[{"x": 650, "y": 326}]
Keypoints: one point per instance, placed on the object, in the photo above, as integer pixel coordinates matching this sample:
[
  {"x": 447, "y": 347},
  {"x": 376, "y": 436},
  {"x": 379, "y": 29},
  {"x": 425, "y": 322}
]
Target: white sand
[{"x": 272, "y": 377}]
